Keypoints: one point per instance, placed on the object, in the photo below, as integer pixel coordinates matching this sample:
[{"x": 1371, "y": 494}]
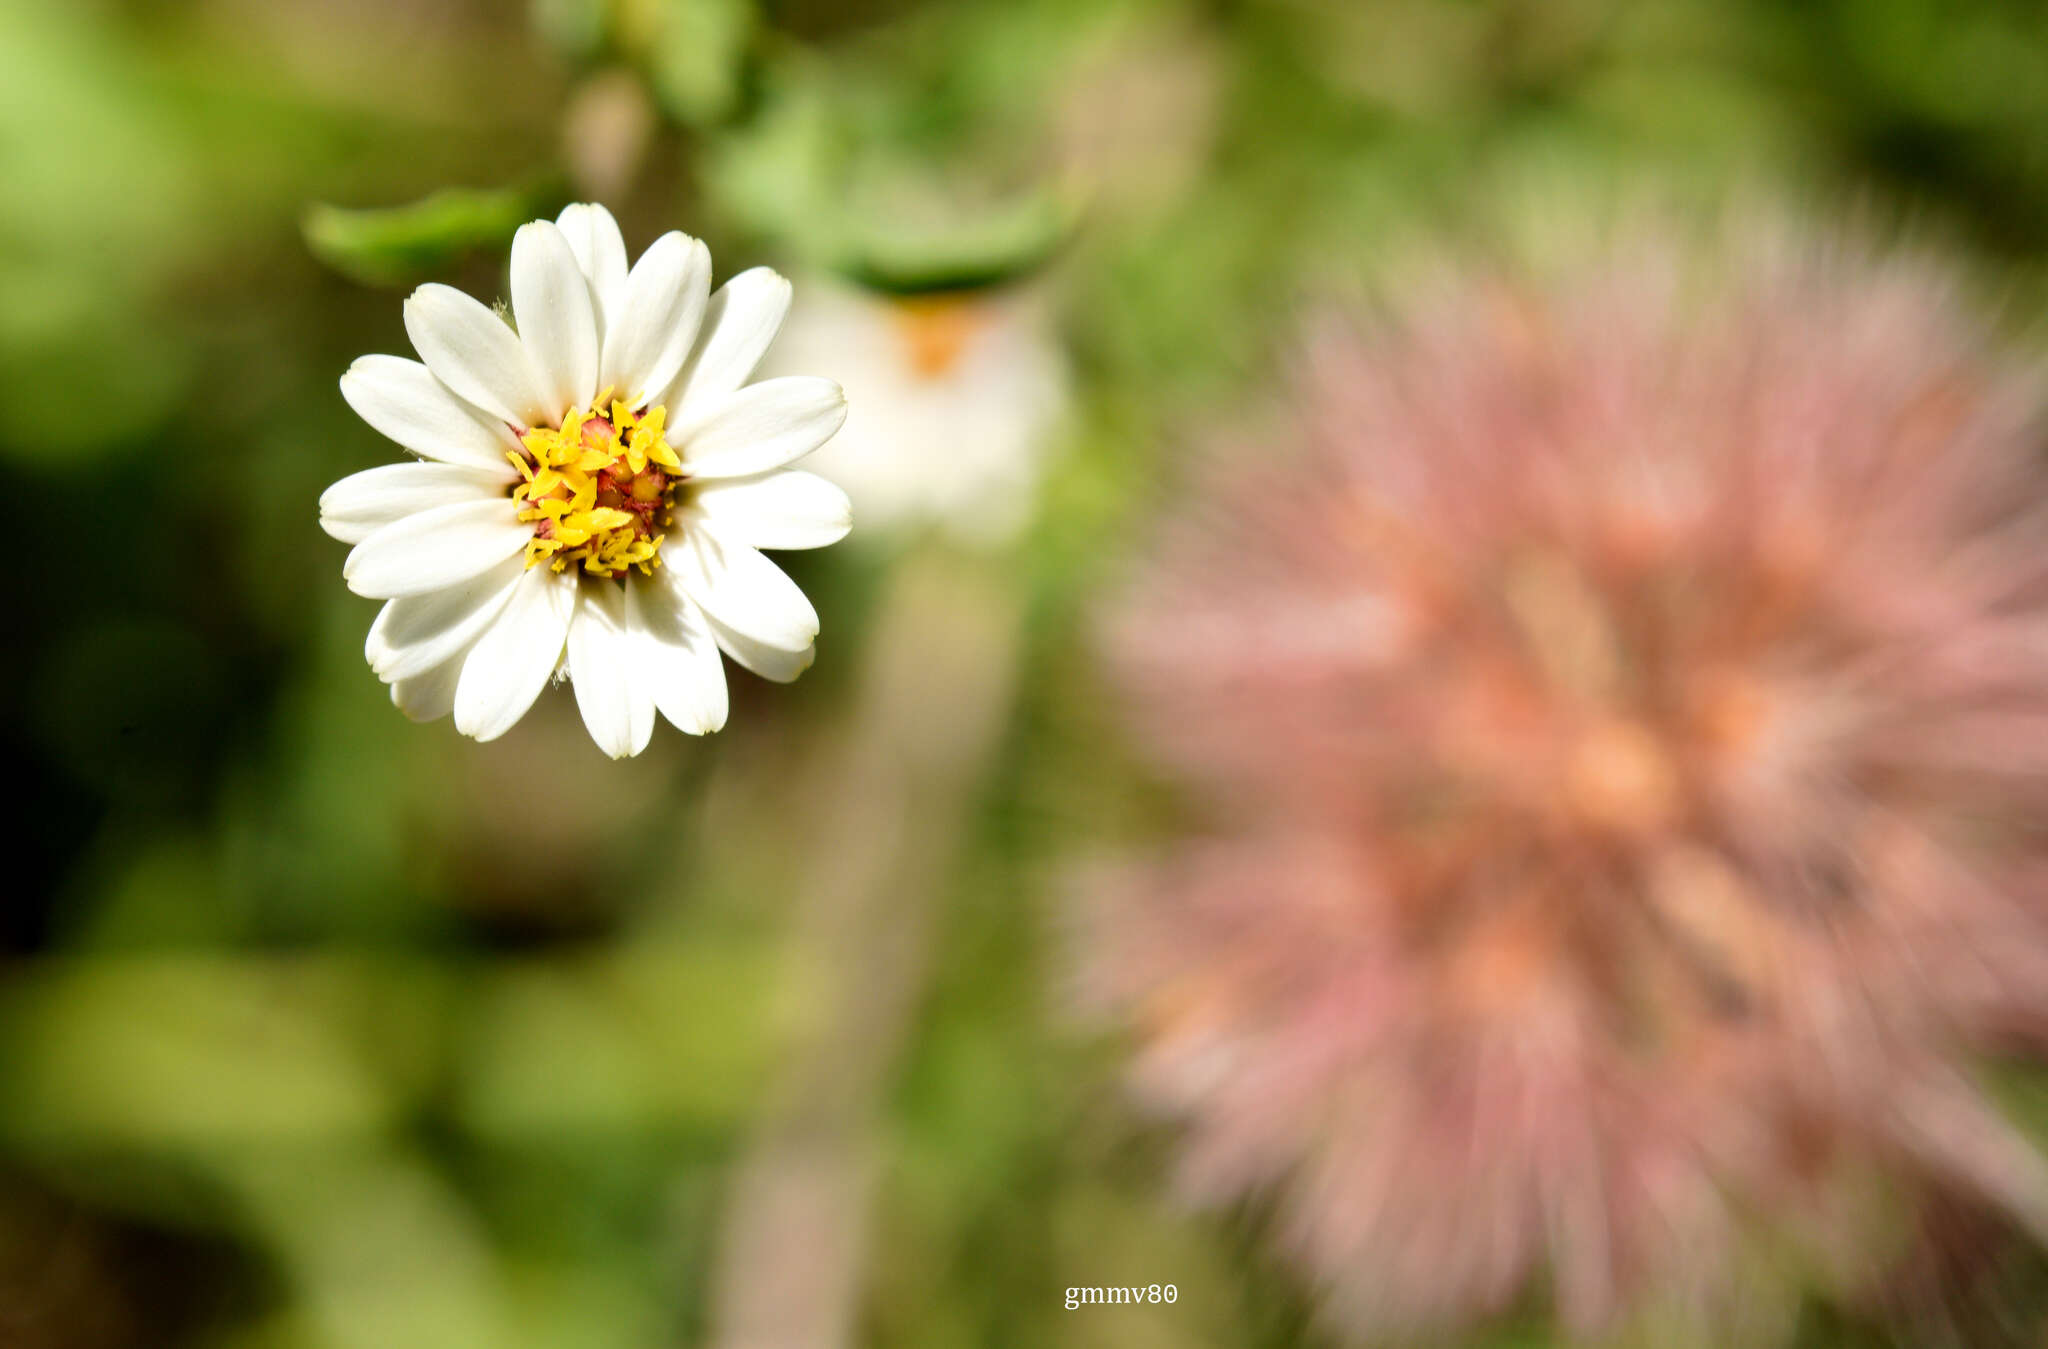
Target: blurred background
[{"x": 321, "y": 1029}]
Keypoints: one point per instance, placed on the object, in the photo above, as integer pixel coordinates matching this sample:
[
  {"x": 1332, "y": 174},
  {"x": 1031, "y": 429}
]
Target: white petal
[
  {"x": 600, "y": 252},
  {"x": 473, "y": 352},
  {"x": 401, "y": 399},
  {"x": 739, "y": 323},
  {"x": 362, "y": 503},
  {"x": 769, "y": 662},
  {"x": 430, "y": 695},
  {"x": 760, "y": 427},
  {"x": 656, "y": 320},
  {"x": 415, "y": 634},
  {"x": 617, "y": 711},
  {"x": 436, "y": 548},
  {"x": 557, "y": 318},
  {"x": 675, "y": 657},
  {"x": 512, "y": 662},
  {"x": 375, "y": 648},
  {"x": 744, "y": 591},
  {"x": 789, "y": 509}
]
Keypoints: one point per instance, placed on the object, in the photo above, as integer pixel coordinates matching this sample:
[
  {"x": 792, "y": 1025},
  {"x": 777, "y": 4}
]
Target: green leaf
[
  {"x": 576, "y": 28},
  {"x": 188, "y": 1052},
  {"x": 397, "y": 245},
  {"x": 696, "y": 55},
  {"x": 828, "y": 171},
  {"x": 640, "y": 1037},
  {"x": 84, "y": 278},
  {"x": 988, "y": 249}
]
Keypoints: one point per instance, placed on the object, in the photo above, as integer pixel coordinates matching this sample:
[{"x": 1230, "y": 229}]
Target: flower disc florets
[{"x": 597, "y": 490}]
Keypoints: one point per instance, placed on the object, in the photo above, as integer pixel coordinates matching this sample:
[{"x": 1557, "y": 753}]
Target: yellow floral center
[{"x": 596, "y": 490}]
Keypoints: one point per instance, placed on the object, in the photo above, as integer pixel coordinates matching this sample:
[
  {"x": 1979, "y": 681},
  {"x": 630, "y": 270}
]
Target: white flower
[
  {"x": 954, "y": 395},
  {"x": 596, "y": 486}
]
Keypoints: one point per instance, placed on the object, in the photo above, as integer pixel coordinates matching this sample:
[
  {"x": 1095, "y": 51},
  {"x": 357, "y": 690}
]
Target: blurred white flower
[
  {"x": 596, "y": 487},
  {"x": 955, "y": 393}
]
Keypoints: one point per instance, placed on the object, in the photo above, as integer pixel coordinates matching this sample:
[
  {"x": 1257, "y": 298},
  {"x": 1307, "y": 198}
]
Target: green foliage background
[{"x": 321, "y": 1029}]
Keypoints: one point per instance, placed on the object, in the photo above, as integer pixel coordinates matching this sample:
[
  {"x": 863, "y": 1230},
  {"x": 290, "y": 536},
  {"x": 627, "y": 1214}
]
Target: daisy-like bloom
[
  {"x": 955, "y": 395},
  {"x": 1622, "y": 722},
  {"x": 595, "y": 488}
]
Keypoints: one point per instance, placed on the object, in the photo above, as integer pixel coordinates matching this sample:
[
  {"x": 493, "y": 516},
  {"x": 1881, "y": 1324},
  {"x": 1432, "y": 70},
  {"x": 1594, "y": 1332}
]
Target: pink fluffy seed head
[{"x": 1621, "y": 717}]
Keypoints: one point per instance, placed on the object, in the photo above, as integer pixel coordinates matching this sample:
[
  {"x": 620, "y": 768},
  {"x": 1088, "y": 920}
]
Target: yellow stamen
[{"x": 595, "y": 488}]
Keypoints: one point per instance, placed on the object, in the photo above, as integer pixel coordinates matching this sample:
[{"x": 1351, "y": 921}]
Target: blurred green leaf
[
  {"x": 102, "y": 206},
  {"x": 696, "y": 55},
  {"x": 584, "y": 1306},
  {"x": 820, "y": 173},
  {"x": 378, "y": 1246},
  {"x": 775, "y": 176},
  {"x": 1000, "y": 245},
  {"x": 183, "y": 1052},
  {"x": 656, "y": 1036},
  {"x": 396, "y": 245},
  {"x": 574, "y": 27}
]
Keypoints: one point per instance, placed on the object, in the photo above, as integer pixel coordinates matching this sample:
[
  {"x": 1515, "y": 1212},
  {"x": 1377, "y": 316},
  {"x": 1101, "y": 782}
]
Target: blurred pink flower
[{"x": 1624, "y": 721}]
